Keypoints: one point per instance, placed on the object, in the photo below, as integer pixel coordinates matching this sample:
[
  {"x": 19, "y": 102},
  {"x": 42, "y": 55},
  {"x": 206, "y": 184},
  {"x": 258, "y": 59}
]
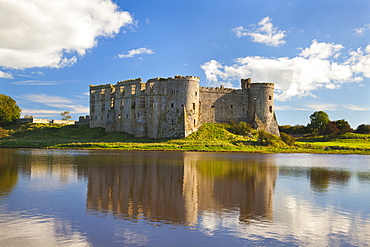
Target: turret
[{"x": 261, "y": 107}]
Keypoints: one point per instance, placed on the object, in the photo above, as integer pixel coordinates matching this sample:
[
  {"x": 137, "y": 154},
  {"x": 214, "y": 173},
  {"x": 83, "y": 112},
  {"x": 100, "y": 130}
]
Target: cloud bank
[
  {"x": 55, "y": 102},
  {"x": 38, "y": 33},
  {"x": 264, "y": 33},
  {"x": 5, "y": 75},
  {"x": 315, "y": 67},
  {"x": 135, "y": 52}
]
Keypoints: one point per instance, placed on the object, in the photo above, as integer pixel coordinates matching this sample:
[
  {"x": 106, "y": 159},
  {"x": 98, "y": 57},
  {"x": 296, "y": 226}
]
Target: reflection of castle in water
[{"x": 177, "y": 189}]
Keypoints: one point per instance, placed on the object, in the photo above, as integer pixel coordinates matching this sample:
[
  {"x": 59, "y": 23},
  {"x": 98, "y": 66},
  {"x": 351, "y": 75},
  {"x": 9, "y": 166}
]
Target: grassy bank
[{"x": 210, "y": 137}]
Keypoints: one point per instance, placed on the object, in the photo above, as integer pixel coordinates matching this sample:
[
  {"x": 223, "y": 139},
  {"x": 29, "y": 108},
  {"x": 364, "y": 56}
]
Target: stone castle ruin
[{"x": 176, "y": 107}]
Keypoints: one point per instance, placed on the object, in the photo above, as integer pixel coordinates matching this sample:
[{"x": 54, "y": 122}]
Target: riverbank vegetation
[{"x": 234, "y": 137}]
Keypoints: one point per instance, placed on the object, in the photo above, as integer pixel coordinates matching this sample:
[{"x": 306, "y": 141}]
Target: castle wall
[
  {"x": 221, "y": 105},
  {"x": 177, "y": 107}
]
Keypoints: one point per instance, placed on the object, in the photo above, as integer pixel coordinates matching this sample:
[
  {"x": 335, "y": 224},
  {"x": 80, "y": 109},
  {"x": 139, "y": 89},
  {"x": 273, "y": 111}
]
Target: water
[{"x": 122, "y": 198}]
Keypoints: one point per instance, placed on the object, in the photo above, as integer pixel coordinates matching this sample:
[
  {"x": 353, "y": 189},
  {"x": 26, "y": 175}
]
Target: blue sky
[{"x": 316, "y": 52}]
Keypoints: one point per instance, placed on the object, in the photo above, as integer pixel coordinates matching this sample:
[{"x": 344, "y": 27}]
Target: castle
[{"x": 176, "y": 107}]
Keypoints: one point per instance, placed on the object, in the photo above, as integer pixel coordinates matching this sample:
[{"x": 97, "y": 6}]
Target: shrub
[
  {"x": 3, "y": 132},
  {"x": 289, "y": 140},
  {"x": 297, "y": 129},
  {"x": 241, "y": 128},
  {"x": 329, "y": 129},
  {"x": 363, "y": 129},
  {"x": 343, "y": 126},
  {"x": 265, "y": 138}
]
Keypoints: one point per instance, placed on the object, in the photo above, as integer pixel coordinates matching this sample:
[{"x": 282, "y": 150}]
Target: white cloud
[
  {"x": 5, "y": 75},
  {"x": 35, "y": 83},
  {"x": 361, "y": 30},
  {"x": 321, "y": 50},
  {"x": 313, "y": 68},
  {"x": 353, "y": 107},
  {"x": 265, "y": 33},
  {"x": 37, "y": 33},
  {"x": 61, "y": 103},
  {"x": 360, "y": 61},
  {"x": 135, "y": 52}
]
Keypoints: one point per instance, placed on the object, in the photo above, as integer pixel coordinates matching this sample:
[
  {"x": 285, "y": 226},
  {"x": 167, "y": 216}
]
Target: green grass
[{"x": 210, "y": 137}]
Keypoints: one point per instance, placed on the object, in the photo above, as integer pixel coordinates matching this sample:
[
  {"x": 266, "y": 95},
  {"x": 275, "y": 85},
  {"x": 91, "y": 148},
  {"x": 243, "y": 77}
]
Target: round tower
[
  {"x": 189, "y": 97},
  {"x": 261, "y": 107}
]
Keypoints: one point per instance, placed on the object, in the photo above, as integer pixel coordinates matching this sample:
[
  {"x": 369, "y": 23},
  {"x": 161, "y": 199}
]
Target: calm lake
[{"x": 131, "y": 198}]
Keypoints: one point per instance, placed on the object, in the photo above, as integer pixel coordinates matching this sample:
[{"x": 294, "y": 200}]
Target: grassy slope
[{"x": 210, "y": 137}]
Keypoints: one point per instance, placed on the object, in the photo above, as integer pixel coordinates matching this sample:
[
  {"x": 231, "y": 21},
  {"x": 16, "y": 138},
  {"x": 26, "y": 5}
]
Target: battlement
[
  {"x": 262, "y": 84},
  {"x": 102, "y": 86},
  {"x": 177, "y": 77},
  {"x": 130, "y": 81},
  {"x": 217, "y": 89}
]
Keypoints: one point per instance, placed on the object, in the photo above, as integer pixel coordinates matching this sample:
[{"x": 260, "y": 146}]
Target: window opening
[
  {"x": 142, "y": 102},
  {"x": 151, "y": 102}
]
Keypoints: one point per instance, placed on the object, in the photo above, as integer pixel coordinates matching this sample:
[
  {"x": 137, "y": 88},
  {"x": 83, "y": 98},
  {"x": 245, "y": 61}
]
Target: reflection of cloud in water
[
  {"x": 22, "y": 230},
  {"x": 129, "y": 237},
  {"x": 295, "y": 220}
]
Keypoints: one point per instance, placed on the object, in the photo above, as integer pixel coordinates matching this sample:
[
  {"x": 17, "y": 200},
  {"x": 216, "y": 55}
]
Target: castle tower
[
  {"x": 173, "y": 106},
  {"x": 101, "y": 108},
  {"x": 261, "y": 111}
]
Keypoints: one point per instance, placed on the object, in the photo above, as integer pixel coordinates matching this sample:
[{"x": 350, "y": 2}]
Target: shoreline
[{"x": 256, "y": 151}]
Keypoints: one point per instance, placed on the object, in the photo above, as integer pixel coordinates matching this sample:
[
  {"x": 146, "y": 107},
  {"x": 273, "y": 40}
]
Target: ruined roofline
[
  {"x": 101, "y": 86},
  {"x": 130, "y": 81},
  {"x": 217, "y": 89},
  {"x": 177, "y": 77},
  {"x": 269, "y": 84}
]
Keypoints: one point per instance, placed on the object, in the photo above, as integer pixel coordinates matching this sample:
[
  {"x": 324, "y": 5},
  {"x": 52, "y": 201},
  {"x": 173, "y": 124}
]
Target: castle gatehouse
[{"x": 176, "y": 107}]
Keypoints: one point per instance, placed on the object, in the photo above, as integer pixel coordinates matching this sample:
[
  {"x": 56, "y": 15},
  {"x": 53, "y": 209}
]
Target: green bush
[
  {"x": 264, "y": 138},
  {"x": 297, "y": 129},
  {"x": 289, "y": 140},
  {"x": 363, "y": 129},
  {"x": 3, "y": 132},
  {"x": 241, "y": 128}
]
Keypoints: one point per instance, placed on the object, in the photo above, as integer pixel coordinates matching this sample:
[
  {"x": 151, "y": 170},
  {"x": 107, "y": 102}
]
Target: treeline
[{"x": 320, "y": 124}]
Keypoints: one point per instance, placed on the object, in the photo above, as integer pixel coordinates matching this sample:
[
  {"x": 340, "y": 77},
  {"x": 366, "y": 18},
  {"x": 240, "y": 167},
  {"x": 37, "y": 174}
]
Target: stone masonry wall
[{"x": 176, "y": 107}]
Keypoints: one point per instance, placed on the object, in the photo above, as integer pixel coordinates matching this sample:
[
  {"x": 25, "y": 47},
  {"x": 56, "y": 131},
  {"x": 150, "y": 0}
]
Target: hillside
[{"x": 210, "y": 137}]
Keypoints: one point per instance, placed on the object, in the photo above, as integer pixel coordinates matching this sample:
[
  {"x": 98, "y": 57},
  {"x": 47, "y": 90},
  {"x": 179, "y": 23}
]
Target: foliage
[
  {"x": 9, "y": 110},
  {"x": 318, "y": 120},
  {"x": 343, "y": 126},
  {"x": 363, "y": 129},
  {"x": 288, "y": 139},
  {"x": 329, "y": 129},
  {"x": 336, "y": 127},
  {"x": 264, "y": 138},
  {"x": 65, "y": 115},
  {"x": 297, "y": 129},
  {"x": 241, "y": 128},
  {"x": 3, "y": 132}
]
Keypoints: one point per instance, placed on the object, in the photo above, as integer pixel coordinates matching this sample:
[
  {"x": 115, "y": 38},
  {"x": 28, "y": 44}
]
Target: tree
[
  {"x": 329, "y": 129},
  {"x": 343, "y": 126},
  {"x": 65, "y": 115},
  {"x": 318, "y": 121},
  {"x": 9, "y": 110},
  {"x": 363, "y": 129}
]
